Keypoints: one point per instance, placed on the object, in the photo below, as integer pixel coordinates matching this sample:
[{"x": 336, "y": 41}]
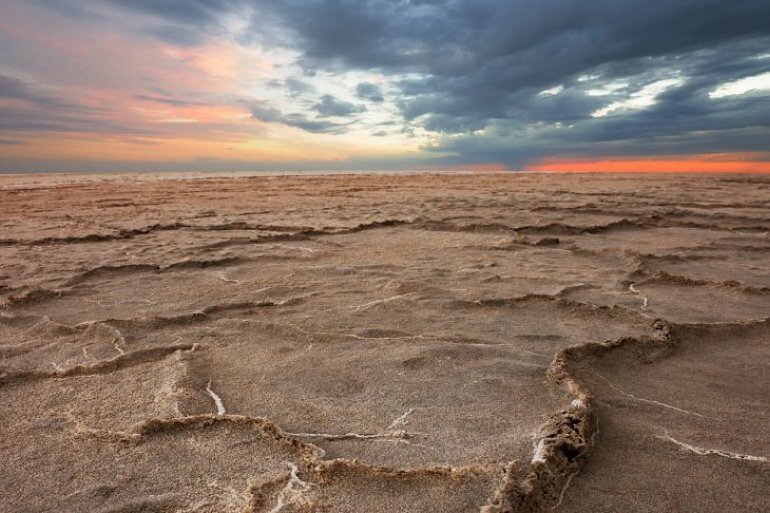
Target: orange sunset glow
[{"x": 690, "y": 164}]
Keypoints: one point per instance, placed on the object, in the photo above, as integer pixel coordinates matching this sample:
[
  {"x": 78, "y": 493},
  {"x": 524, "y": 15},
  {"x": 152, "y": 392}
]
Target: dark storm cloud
[
  {"x": 465, "y": 65},
  {"x": 694, "y": 126},
  {"x": 455, "y": 38}
]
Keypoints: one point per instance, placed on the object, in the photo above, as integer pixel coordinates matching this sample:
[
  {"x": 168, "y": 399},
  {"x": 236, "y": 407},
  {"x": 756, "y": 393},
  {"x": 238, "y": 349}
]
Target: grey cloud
[
  {"x": 456, "y": 67},
  {"x": 369, "y": 91},
  {"x": 452, "y": 124},
  {"x": 69, "y": 9},
  {"x": 34, "y": 95},
  {"x": 15, "y": 120},
  {"x": 39, "y": 109},
  {"x": 538, "y": 41},
  {"x": 188, "y": 12},
  {"x": 314, "y": 125},
  {"x": 179, "y": 22},
  {"x": 168, "y": 100},
  {"x": 329, "y": 106},
  {"x": 176, "y": 35},
  {"x": 265, "y": 112},
  {"x": 696, "y": 126},
  {"x": 17, "y": 89},
  {"x": 297, "y": 87},
  {"x": 481, "y": 63}
]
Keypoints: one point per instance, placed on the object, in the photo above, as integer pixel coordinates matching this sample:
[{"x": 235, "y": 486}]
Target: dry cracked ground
[{"x": 453, "y": 343}]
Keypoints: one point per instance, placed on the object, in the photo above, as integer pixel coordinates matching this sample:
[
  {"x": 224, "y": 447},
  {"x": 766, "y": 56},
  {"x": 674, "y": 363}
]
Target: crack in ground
[
  {"x": 220, "y": 405},
  {"x": 294, "y": 491},
  {"x": 391, "y": 434},
  {"x": 652, "y": 401},
  {"x": 715, "y": 452}
]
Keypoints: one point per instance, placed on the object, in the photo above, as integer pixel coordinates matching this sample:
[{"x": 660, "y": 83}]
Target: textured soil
[{"x": 385, "y": 343}]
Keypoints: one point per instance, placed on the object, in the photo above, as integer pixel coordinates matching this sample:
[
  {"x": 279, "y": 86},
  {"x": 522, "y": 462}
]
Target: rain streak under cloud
[{"x": 411, "y": 84}]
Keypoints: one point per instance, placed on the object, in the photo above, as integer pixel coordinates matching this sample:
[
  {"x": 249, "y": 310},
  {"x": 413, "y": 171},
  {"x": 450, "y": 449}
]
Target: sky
[{"x": 274, "y": 85}]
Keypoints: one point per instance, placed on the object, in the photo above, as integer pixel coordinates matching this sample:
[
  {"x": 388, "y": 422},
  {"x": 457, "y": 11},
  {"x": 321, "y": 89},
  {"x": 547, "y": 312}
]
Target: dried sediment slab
[
  {"x": 748, "y": 267},
  {"x": 681, "y": 299},
  {"x": 113, "y": 440},
  {"x": 144, "y": 292},
  {"x": 38, "y": 344},
  {"x": 703, "y": 302},
  {"x": 466, "y": 264},
  {"x": 195, "y": 463},
  {"x": 683, "y": 422},
  {"x": 657, "y": 240},
  {"x": 470, "y": 388},
  {"x": 49, "y": 266},
  {"x": 349, "y": 487},
  {"x": 389, "y": 402}
]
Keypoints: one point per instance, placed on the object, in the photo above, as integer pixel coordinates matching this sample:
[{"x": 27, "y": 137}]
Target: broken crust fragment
[
  {"x": 564, "y": 440},
  {"x": 559, "y": 453}
]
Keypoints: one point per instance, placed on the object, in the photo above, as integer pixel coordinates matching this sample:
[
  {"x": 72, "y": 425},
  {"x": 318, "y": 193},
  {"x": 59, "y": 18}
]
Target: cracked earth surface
[{"x": 458, "y": 343}]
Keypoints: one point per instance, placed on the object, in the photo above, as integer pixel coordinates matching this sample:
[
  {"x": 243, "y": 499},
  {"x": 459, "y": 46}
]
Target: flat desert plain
[{"x": 385, "y": 343}]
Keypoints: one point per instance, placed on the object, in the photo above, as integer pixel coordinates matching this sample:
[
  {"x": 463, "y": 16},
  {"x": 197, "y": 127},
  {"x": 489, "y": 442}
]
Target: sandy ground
[{"x": 453, "y": 343}]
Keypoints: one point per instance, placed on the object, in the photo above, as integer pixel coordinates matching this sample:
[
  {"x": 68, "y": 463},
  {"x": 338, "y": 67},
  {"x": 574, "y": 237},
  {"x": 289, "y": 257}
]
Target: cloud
[
  {"x": 263, "y": 111},
  {"x": 176, "y": 35},
  {"x": 168, "y": 100},
  {"x": 33, "y": 96},
  {"x": 742, "y": 86},
  {"x": 187, "y": 12},
  {"x": 461, "y": 66},
  {"x": 297, "y": 87},
  {"x": 452, "y": 124},
  {"x": 178, "y": 22},
  {"x": 370, "y": 92},
  {"x": 17, "y": 89},
  {"x": 69, "y": 9},
  {"x": 478, "y": 80},
  {"x": 54, "y": 112},
  {"x": 329, "y": 106}
]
